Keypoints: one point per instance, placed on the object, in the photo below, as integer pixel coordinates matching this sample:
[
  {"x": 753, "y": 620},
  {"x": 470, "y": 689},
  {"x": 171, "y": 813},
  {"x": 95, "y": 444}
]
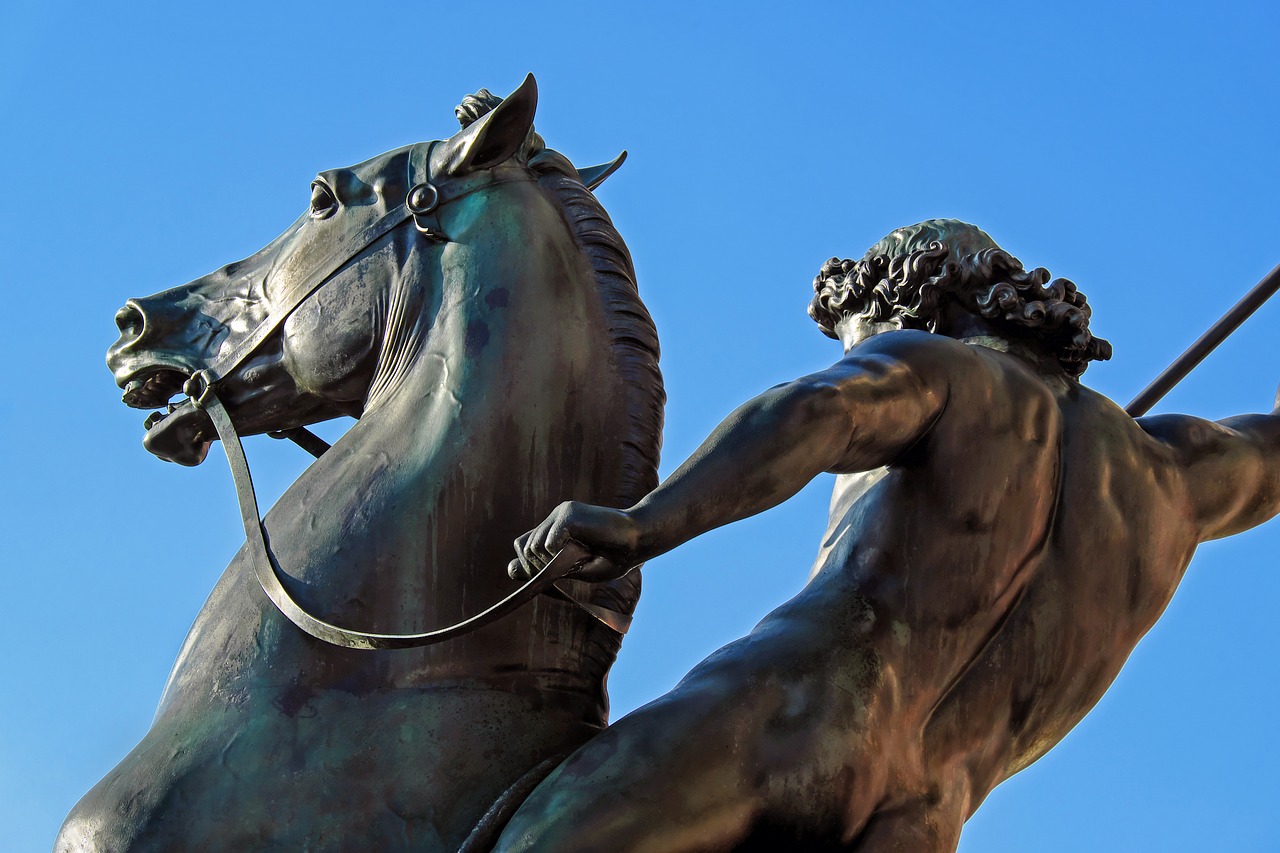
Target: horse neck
[
  {"x": 513, "y": 363},
  {"x": 501, "y": 403}
]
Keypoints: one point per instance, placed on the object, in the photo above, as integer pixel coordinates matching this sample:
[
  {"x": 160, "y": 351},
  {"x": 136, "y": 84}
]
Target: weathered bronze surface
[
  {"x": 493, "y": 346},
  {"x": 1000, "y": 538}
]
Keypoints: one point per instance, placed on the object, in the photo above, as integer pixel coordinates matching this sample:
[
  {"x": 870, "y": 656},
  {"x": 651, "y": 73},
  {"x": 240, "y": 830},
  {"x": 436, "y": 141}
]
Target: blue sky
[{"x": 1129, "y": 147}]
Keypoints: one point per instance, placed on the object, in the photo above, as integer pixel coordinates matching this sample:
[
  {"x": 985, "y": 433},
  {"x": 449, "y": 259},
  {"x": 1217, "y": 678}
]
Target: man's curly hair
[{"x": 910, "y": 275}]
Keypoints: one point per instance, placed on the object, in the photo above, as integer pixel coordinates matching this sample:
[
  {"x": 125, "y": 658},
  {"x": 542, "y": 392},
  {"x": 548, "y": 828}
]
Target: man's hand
[{"x": 610, "y": 534}]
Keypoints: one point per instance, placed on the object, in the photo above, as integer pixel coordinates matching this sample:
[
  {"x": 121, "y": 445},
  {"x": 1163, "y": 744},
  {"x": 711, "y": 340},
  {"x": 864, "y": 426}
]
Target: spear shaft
[{"x": 1196, "y": 353}]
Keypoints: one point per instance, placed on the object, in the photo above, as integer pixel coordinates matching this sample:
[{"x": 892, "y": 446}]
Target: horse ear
[
  {"x": 593, "y": 176},
  {"x": 496, "y": 136}
]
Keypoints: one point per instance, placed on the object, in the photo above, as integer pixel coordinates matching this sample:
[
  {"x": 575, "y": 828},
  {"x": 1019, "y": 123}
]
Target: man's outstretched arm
[
  {"x": 859, "y": 414},
  {"x": 1232, "y": 467}
]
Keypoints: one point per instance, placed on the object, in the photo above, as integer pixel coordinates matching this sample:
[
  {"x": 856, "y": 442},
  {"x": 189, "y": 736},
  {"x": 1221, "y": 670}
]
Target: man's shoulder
[
  {"x": 939, "y": 361},
  {"x": 923, "y": 351},
  {"x": 904, "y": 360}
]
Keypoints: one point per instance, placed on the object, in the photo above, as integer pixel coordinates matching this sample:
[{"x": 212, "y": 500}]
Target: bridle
[{"x": 422, "y": 206}]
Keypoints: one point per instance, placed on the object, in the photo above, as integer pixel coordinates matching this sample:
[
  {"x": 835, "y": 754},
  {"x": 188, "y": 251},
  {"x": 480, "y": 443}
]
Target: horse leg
[
  {"x": 734, "y": 754},
  {"x": 664, "y": 779},
  {"x": 483, "y": 837},
  {"x": 926, "y": 825}
]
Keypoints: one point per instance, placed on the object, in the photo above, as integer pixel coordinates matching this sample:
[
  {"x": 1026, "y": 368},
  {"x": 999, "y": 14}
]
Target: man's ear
[{"x": 496, "y": 136}]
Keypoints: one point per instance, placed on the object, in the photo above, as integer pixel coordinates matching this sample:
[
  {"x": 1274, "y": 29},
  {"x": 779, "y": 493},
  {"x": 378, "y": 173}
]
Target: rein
[{"x": 421, "y": 205}]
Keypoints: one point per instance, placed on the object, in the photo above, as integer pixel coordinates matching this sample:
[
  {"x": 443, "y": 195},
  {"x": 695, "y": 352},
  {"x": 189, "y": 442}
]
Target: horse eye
[{"x": 323, "y": 204}]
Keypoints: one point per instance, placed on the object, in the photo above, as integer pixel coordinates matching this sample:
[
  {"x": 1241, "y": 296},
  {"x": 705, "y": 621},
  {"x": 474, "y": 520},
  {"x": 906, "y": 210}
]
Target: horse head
[{"x": 315, "y": 325}]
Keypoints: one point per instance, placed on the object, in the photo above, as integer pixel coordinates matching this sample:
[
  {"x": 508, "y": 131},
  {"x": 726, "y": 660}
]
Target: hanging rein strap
[
  {"x": 267, "y": 570},
  {"x": 422, "y": 204}
]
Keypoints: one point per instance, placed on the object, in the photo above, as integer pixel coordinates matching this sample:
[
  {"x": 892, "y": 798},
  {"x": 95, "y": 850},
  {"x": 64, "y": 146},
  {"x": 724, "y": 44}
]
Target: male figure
[{"x": 1000, "y": 539}]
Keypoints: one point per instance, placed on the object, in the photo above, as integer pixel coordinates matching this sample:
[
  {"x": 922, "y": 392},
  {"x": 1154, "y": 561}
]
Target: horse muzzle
[
  {"x": 150, "y": 377},
  {"x": 176, "y": 431}
]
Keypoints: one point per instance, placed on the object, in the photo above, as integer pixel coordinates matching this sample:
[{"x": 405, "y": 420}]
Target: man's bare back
[{"x": 1000, "y": 539}]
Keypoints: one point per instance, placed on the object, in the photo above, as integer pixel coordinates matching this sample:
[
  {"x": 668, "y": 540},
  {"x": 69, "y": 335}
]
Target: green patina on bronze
[{"x": 495, "y": 366}]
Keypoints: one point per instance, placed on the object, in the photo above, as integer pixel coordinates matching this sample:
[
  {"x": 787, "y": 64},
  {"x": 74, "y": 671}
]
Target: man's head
[{"x": 916, "y": 275}]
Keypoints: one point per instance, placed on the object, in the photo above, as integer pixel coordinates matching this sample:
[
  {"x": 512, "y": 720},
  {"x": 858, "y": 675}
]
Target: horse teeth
[{"x": 132, "y": 392}]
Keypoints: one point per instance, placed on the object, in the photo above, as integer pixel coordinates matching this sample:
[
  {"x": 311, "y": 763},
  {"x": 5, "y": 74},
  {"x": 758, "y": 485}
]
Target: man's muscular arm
[
  {"x": 1232, "y": 467},
  {"x": 859, "y": 414}
]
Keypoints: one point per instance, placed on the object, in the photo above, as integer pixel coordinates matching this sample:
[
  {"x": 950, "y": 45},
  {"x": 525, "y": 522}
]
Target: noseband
[{"x": 422, "y": 205}]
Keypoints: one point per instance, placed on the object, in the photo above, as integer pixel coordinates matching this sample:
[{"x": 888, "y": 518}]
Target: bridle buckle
[
  {"x": 199, "y": 388},
  {"x": 422, "y": 201}
]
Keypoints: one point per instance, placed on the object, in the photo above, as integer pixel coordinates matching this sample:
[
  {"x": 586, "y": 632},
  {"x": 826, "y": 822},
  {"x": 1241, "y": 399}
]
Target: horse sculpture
[{"x": 497, "y": 356}]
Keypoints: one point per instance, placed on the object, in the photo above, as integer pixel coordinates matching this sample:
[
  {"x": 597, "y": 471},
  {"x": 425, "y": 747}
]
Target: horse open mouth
[
  {"x": 153, "y": 389},
  {"x": 177, "y": 432}
]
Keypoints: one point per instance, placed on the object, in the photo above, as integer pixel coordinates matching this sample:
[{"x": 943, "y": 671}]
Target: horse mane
[
  {"x": 633, "y": 349},
  {"x": 633, "y": 339}
]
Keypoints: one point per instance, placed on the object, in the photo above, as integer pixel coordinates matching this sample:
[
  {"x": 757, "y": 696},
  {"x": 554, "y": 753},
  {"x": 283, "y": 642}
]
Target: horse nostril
[{"x": 129, "y": 319}]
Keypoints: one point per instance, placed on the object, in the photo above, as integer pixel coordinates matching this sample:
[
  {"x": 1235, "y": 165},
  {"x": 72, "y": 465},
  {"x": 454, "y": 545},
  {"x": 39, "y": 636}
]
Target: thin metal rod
[
  {"x": 1196, "y": 353},
  {"x": 304, "y": 438}
]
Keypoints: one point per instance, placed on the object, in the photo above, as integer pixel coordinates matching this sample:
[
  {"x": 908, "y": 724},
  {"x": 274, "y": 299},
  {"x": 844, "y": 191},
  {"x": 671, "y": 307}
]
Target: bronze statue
[
  {"x": 1000, "y": 538},
  {"x": 363, "y": 677},
  {"x": 471, "y": 303}
]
